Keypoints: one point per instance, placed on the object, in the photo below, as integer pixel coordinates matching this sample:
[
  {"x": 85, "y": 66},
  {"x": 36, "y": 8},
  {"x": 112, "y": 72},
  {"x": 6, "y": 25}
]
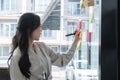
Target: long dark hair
[{"x": 27, "y": 23}]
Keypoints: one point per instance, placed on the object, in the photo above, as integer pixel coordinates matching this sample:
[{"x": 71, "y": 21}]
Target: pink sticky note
[
  {"x": 79, "y": 25},
  {"x": 88, "y": 37}
]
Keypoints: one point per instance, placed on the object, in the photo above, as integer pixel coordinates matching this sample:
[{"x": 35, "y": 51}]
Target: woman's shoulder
[
  {"x": 16, "y": 54},
  {"x": 40, "y": 44}
]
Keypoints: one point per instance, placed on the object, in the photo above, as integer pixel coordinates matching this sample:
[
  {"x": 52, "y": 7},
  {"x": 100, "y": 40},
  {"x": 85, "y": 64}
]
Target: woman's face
[{"x": 36, "y": 33}]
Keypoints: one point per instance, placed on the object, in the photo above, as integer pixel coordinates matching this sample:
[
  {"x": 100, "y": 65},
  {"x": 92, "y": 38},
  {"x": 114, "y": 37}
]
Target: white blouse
[{"x": 41, "y": 60}]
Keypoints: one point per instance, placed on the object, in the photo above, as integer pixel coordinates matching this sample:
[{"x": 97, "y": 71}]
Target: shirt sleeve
[
  {"x": 58, "y": 59},
  {"x": 15, "y": 73}
]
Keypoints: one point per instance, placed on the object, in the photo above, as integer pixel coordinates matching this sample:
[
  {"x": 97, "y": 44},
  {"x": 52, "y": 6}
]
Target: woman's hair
[{"x": 28, "y": 22}]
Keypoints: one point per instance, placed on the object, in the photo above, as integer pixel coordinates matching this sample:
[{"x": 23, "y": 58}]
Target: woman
[{"x": 31, "y": 60}]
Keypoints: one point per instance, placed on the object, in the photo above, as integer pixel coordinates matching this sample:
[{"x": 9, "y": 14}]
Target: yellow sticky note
[
  {"x": 88, "y": 3},
  {"x": 79, "y": 46}
]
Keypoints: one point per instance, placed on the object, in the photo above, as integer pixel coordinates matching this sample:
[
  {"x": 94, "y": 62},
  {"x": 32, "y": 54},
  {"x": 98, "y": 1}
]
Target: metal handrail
[{"x": 49, "y": 9}]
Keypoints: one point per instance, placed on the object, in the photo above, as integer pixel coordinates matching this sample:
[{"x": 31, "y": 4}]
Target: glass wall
[
  {"x": 8, "y": 5},
  {"x": 85, "y": 64}
]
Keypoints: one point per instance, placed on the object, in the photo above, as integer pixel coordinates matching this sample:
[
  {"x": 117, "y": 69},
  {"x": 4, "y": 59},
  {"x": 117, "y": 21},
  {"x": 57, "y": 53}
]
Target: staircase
[{"x": 51, "y": 18}]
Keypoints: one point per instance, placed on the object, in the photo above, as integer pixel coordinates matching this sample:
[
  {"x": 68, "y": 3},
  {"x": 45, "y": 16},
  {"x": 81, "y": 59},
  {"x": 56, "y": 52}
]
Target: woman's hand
[{"x": 78, "y": 36}]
